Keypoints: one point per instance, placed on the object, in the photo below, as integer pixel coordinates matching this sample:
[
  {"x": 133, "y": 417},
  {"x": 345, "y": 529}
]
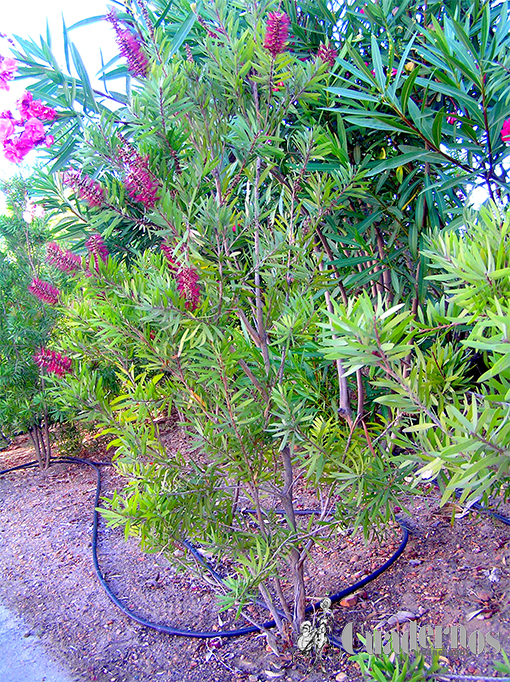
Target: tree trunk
[
  {"x": 32, "y": 432},
  {"x": 296, "y": 566}
]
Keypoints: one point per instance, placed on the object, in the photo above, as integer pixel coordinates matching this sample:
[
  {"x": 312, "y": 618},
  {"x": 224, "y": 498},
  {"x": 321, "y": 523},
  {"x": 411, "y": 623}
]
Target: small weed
[{"x": 397, "y": 668}]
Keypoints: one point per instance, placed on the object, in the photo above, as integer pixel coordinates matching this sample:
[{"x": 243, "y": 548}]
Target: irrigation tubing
[{"x": 204, "y": 634}]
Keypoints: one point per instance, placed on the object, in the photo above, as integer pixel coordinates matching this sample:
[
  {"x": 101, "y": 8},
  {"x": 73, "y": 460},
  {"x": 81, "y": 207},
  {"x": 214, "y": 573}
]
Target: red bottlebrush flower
[
  {"x": 44, "y": 291},
  {"x": 86, "y": 188},
  {"x": 97, "y": 248},
  {"x": 189, "y": 54},
  {"x": 141, "y": 185},
  {"x": 8, "y": 68},
  {"x": 327, "y": 54},
  {"x": 129, "y": 47},
  {"x": 277, "y": 32},
  {"x": 29, "y": 109},
  {"x": 168, "y": 252},
  {"x": 53, "y": 362},
  {"x": 66, "y": 261},
  {"x": 187, "y": 286},
  {"x": 505, "y": 131}
]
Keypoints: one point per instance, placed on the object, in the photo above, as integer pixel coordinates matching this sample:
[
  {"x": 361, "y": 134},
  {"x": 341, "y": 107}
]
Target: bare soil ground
[{"x": 449, "y": 575}]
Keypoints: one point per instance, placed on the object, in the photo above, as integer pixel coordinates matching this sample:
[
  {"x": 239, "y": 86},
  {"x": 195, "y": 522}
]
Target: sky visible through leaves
[{"x": 30, "y": 20}]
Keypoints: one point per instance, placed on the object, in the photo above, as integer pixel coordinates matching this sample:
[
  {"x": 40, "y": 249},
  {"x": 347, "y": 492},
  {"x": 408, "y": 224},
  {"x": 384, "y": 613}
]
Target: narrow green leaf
[
  {"x": 378, "y": 65},
  {"x": 437, "y": 127},
  {"x": 84, "y": 77},
  {"x": 87, "y": 22},
  {"x": 356, "y": 95},
  {"x": 182, "y": 33},
  {"x": 66, "y": 44},
  {"x": 163, "y": 15},
  {"x": 408, "y": 88}
]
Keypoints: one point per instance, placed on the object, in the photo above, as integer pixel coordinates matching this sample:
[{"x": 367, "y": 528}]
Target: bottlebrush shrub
[{"x": 222, "y": 325}]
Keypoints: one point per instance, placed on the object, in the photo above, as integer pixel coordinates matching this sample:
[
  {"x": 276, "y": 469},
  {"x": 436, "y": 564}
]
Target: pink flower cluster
[
  {"x": 187, "y": 286},
  {"x": 8, "y": 68},
  {"x": 97, "y": 249},
  {"x": 169, "y": 255},
  {"x": 505, "y": 131},
  {"x": 44, "y": 291},
  {"x": 53, "y": 362},
  {"x": 33, "y": 115},
  {"x": 129, "y": 46},
  {"x": 86, "y": 188},
  {"x": 29, "y": 109},
  {"x": 187, "y": 278},
  {"x": 65, "y": 261},
  {"x": 277, "y": 33},
  {"x": 327, "y": 54},
  {"x": 141, "y": 185}
]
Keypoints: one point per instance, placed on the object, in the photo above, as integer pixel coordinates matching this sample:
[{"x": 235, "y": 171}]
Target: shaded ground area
[{"x": 448, "y": 576}]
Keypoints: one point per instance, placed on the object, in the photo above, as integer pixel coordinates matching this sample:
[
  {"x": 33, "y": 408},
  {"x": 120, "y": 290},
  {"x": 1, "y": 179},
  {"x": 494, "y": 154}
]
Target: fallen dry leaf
[{"x": 349, "y": 601}]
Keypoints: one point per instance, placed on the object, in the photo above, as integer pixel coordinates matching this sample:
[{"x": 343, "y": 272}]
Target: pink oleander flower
[
  {"x": 187, "y": 286},
  {"x": 277, "y": 33},
  {"x": 29, "y": 109},
  {"x": 44, "y": 291},
  {"x": 505, "y": 131},
  {"x": 97, "y": 248},
  {"x": 34, "y": 131},
  {"x": 53, "y": 362},
  {"x": 140, "y": 184},
  {"x": 129, "y": 47},
  {"x": 65, "y": 261},
  {"x": 8, "y": 68},
  {"x": 86, "y": 188},
  {"x": 327, "y": 54},
  {"x": 6, "y": 129},
  {"x": 16, "y": 150},
  {"x": 32, "y": 135}
]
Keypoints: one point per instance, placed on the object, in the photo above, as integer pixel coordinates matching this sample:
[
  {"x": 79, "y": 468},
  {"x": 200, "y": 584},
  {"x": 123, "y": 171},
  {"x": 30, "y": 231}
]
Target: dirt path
[
  {"x": 22, "y": 657},
  {"x": 445, "y": 575}
]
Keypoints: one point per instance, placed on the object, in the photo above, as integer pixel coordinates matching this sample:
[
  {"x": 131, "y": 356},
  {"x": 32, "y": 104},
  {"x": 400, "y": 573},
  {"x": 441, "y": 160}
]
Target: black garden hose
[{"x": 170, "y": 629}]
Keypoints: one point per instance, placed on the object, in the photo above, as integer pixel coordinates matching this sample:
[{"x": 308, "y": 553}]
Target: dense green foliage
[
  {"x": 25, "y": 322},
  {"x": 286, "y": 269}
]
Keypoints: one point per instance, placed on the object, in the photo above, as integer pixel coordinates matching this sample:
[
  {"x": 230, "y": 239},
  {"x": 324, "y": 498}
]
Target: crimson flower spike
[
  {"x": 86, "y": 188},
  {"x": 97, "y": 248},
  {"x": 328, "y": 54},
  {"x": 65, "y": 261},
  {"x": 44, "y": 291},
  {"x": 187, "y": 286},
  {"x": 129, "y": 47},
  {"x": 277, "y": 32},
  {"x": 140, "y": 184},
  {"x": 53, "y": 362}
]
